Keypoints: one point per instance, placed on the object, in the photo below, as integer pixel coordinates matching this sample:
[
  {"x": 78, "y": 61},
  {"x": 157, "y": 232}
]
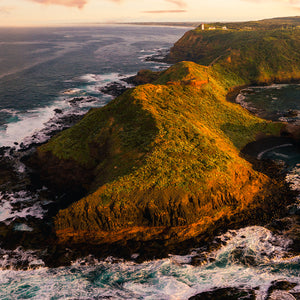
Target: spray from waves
[
  {"x": 261, "y": 154},
  {"x": 252, "y": 257},
  {"x": 20, "y": 204},
  {"x": 158, "y": 55},
  {"x": 293, "y": 178},
  {"x": 12, "y": 112},
  {"x": 37, "y": 125}
]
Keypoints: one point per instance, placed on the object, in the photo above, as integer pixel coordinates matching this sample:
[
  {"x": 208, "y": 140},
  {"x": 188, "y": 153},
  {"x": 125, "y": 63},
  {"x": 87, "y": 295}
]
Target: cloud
[
  {"x": 5, "y": 10},
  {"x": 293, "y": 3},
  {"x": 164, "y": 11},
  {"x": 81, "y": 3},
  {"x": 179, "y": 3},
  {"x": 70, "y": 3}
]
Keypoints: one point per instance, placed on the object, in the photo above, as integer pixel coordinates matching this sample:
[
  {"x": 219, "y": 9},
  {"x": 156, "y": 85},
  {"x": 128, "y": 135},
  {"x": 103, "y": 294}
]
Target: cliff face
[
  {"x": 162, "y": 160},
  {"x": 256, "y": 56}
]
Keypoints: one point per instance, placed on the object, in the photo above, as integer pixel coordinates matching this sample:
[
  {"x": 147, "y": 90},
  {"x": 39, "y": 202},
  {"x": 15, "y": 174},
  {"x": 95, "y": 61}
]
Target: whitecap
[
  {"x": 13, "y": 112},
  {"x": 293, "y": 178},
  {"x": 169, "y": 278},
  {"x": 22, "y": 227},
  {"x": 261, "y": 154},
  {"x": 71, "y": 91},
  {"x": 20, "y": 205}
]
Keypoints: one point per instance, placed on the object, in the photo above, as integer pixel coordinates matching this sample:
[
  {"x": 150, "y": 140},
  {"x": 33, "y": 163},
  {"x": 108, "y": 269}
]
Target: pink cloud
[
  {"x": 179, "y": 3},
  {"x": 5, "y": 10},
  {"x": 70, "y": 3}
]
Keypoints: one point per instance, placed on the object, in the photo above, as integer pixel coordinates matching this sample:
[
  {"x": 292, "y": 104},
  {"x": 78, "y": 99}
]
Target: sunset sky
[{"x": 55, "y": 12}]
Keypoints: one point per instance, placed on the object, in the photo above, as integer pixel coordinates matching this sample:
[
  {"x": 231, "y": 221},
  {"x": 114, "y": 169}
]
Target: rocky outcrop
[
  {"x": 226, "y": 294},
  {"x": 143, "y": 77}
]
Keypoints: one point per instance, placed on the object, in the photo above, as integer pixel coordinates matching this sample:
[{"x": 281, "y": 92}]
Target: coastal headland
[{"x": 164, "y": 162}]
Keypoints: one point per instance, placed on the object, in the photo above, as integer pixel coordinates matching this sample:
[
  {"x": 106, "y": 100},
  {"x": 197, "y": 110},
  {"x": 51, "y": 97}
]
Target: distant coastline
[{"x": 163, "y": 24}]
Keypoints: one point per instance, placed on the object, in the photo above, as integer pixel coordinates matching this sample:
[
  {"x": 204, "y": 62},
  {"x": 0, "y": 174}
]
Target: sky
[{"x": 63, "y": 12}]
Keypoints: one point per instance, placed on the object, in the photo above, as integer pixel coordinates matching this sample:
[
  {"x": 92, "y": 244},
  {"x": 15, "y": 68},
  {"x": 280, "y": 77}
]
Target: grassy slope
[
  {"x": 251, "y": 56},
  {"x": 164, "y": 154},
  {"x": 167, "y": 153}
]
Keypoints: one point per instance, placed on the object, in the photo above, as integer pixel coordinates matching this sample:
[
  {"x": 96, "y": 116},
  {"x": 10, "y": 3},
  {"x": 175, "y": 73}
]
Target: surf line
[{"x": 260, "y": 155}]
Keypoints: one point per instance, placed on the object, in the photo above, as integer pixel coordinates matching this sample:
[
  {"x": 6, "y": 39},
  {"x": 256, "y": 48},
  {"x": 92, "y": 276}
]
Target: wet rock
[
  {"x": 159, "y": 56},
  {"x": 76, "y": 100},
  {"x": 58, "y": 111},
  {"x": 226, "y": 294},
  {"x": 3, "y": 150},
  {"x": 291, "y": 113},
  {"x": 7, "y": 173},
  {"x": 239, "y": 256},
  {"x": 114, "y": 89},
  {"x": 279, "y": 290},
  {"x": 199, "y": 260},
  {"x": 296, "y": 295},
  {"x": 281, "y": 295},
  {"x": 143, "y": 77},
  {"x": 282, "y": 285}
]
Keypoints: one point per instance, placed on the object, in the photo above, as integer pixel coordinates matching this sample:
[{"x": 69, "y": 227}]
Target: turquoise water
[
  {"x": 252, "y": 257},
  {"x": 274, "y": 102},
  {"x": 43, "y": 68},
  {"x": 278, "y": 102}
]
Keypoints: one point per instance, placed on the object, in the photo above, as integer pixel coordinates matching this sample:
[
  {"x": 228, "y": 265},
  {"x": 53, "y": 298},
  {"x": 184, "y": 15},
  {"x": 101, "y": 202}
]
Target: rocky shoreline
[
  {"x": 42, "y": 248},
  {"x": 43, "y": 242}
]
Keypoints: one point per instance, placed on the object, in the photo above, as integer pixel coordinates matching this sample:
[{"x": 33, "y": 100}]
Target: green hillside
[
  {"x": 163, "y": 159},
  {"x": 262, "y": 55},
  {"x": 161, "y": 155}
]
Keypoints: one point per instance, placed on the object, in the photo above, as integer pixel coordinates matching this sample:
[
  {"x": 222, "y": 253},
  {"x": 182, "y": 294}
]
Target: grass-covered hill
[
  {"x": 162, "y": 160},
  {"x": 266, "y": 24},
  {"x": 262, "y": 54}
]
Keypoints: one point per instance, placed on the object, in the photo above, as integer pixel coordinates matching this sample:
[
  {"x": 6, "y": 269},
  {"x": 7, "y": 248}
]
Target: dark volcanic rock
[
  {"x": 114, "y": 89},
  {"x": 74, "y": 101},
  {"x": 226, "y": 294},
  {"x": 58, "y": 111},
  {"x": 143, "y": 77},
  {"x": 279, "y": 290},
  {"x": 281, "y": 285}
]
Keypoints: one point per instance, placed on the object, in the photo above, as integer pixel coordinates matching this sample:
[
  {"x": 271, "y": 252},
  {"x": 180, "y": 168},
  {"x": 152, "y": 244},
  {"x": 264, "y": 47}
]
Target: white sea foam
[
  {"x": 13, "y": 259},
  {"x": 105, "y": 78},
  {"x": 261, "y": 154},
  {"x": 20, "y": 205},
  {"x": 13, "y": 112},
  {"x": 293, "y": 178},
  {"x": 169, "y": 279},
  {"x": 22, "y": 227},
  {"x": 276, "y": 86},
  {"x": 240, "y": 99},
  {"x": 71, "y": 91},
  {"x": 35, "y": 125},
  {"x": 29, "y": 123}
]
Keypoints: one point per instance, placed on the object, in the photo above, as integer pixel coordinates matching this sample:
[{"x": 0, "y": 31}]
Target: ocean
[
  {"x": 44, "y": 68},
  {"x": 48, "y": 74}
]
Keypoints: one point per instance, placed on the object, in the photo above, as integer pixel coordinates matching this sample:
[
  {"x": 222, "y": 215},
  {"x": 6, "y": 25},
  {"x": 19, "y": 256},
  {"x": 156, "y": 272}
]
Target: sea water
[
  {"x": 42, "y": 69},
  {"x": 277, "y": 102},
  {"x": 45, "y": 69},
  {"x": 274, "y": 102},
  {"x": 170, "y": 278}
]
